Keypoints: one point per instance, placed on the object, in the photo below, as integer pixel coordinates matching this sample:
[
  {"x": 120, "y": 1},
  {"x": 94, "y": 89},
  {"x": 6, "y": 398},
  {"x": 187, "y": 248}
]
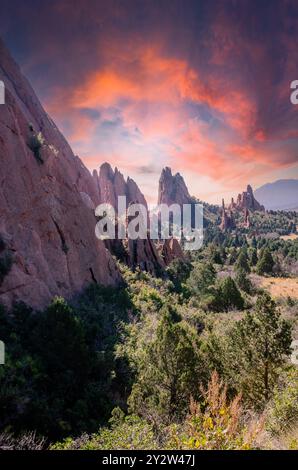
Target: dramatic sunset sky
[{"x": 201, "y": 86}]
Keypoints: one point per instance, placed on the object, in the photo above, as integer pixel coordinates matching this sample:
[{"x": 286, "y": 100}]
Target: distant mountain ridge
[{"x": 279, "y": 195}]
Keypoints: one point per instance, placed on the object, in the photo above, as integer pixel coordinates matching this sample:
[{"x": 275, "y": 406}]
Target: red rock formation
[
  {"x": 172, "y": 189},
  {"x": 46, "y": 218},
  {"x": 142, "y": 253},
  {"x": 246, "y": 222},
  {"x": 227, "y": 218},
  {"x": 246, "y": 200},
  {"x": 111, "y": 183},
  {"x": 171, "y": 250}
]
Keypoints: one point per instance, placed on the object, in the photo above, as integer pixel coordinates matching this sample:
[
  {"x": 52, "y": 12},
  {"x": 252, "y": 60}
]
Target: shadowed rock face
[
  {"x": 110, "y": 184},
  {"x": 172, "y": 189},
  {"x": 136, "y": 253},
  {"x": 46, "y": 199},
  {"x": 227, "y": 218},
  {"x": 171, "y": 250}
]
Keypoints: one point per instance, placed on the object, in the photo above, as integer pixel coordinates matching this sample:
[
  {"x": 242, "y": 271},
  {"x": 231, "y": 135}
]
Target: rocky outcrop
[
  {"x": 227, "y": 218},
  {"x": 136, "y": 253},
  {"x": 111, "y": 183},
  {"x": 143, "y": 254},
  {"x": 246, "y": 223},
  {"x": 245, "y": 203},
  {"x": 172, "y": 189},
  {"x": 46, "y": 199},
  {"x": 246, "y": 200},
  {"x": 171, "y": 250}
]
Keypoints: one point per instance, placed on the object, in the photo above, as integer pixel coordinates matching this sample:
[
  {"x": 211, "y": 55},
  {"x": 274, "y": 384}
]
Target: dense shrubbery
[
  {"x": 215, "y": 423},
  {"x": 283, "y": 411},
  {"x": 125, "y": 432},
  {"x": 59, "y": 373},
  {"x": 168, "y": 372},
  {"x": 27, "y": 441},
  {"x": 150, "y": 349},
  {"x": 280, "y": 222}
]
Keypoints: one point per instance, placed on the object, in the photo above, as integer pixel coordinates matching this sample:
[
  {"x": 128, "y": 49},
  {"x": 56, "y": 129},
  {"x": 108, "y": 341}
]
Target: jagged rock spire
[{"x": 172, "y": 188}]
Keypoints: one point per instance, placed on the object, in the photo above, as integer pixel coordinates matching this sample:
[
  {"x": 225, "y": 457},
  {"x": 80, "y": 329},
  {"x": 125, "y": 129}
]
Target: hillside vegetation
[{"x": 196, "y": 359}]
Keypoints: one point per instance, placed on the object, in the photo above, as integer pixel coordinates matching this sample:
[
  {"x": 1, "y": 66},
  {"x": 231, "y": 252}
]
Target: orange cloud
[
  {"x": 149, "y": 78},
  {"x": 151, "y": 90}
]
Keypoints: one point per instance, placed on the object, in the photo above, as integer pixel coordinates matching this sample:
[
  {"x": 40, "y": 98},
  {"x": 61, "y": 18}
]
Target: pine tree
[
  {"x": 254, "y": 242},
  {"x": 168, "y": 372},
  {"x": 258, "y": 346},
  {"x": 265, "y": 264},
  {"x": 229, "y": 296},
  {"x": 242, "y": 261},
  {"x": 253, "y": 257},
  {"x": 242, "y": 281},
  {"x": 201, "y": 278}
]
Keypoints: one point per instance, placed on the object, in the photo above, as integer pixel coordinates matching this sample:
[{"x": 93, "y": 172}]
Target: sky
[{"x": 200, "y": 86}]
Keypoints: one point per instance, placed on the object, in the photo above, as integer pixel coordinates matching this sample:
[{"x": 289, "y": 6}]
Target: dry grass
[
  {"x": 28, "y": 441},
  {"x": 286, "y": 441},
  {"x": 218, "y": 425},
  {"x": 292, "y": 236},
  {"x": 280, "y": 287}
]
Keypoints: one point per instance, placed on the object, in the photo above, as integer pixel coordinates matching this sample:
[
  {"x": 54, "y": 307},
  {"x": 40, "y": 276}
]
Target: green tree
[
  {"x": 242, "y": 261},
  {"x": 168, "y": 373},
  {"x": 233, "y": 256},
  {"x": 265, "y": 264},
  {"x": 178, "y": 272},
  {"x": 253, "y": 256},
  {"x": 228, "y": 295},
  {"x": 254, "y": 242},
  {"x": 283, "y": 412},
  {"x": 242, "y": 281},
  {"x": 258, "y": 346},
  {"x": 201, "y": 279}
]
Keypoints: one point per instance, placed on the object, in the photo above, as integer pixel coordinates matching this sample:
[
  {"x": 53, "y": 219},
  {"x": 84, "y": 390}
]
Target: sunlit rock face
[
  {"x": 246, "y": 203},
  {"x": 47, "y": 197},
  {"x": 172, "y": 189},
  {"x": 246, "y": 200}
]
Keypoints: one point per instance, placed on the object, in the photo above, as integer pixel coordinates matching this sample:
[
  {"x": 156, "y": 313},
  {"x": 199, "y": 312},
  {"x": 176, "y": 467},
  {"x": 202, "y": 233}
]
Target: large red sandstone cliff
[
  {"x": 46, "y": 200},
  {"x": 140, "y": 253}
]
